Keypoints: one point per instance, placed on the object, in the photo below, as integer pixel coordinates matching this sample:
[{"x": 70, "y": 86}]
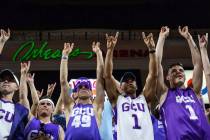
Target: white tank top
[
  {"x": 6, "y": 118},
  {"x": 133, "y": 119}
]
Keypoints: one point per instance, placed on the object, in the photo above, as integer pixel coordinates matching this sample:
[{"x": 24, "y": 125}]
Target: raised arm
[
  {"x": 150, "y": 87},
  {"x": 23, "y": 91},
  {"x": 99, "y": 100},
  {"x": 196, "y": 60},
  {"x": 3, "y": 38},
  {"x": 50, "y": 89},
  {"x": 111, "y": 87},
  {"x": 65, "y": 88},
  {"x": 34, "y": 94},
  {"x": 203, "y": 42},
  {"x": 161, "y": 87}
]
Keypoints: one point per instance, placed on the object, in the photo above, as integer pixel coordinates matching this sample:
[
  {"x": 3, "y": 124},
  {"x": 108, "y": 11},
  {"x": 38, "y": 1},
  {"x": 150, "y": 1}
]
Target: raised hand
[
  {"x": 40, "y": 93},
  {"x": 149, "y": 41},
  {"x": 203, "y": 40},
  {"x": 164, "y": 31},
  {"x": 68, "y": 47},
  {"x": 184, "y": 32},
  {"x": 96, "y": 47},
  {"x": 30, "y": 78},
  {"x": 4, "y": 36},
  {"x": 111, "y": 40},
  {"x": 25, "y": 67},
  {"x": 50, "y": 89}
]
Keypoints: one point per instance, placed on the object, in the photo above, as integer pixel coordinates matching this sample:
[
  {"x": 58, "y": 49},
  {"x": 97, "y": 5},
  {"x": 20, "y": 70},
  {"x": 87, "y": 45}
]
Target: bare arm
[
  {"x": 99, "y": 100},
  {"x": 50, "y": 89},
  {"x": 111, "y": 88},
  {"x": 61, "y": 133},
  {"x": 3, "y": 38},
  {"x": 203, "y": 42},
  {"x": 65, "y": 88},
  {"x": 196, "y": 59},
  {"x": 58, "y": 107},
  {"x": 151, "y": 81},
  {"x": 34, "y": 94},
  {"x": 23, "y": 86},
  {"x": 161, "y": 87}
]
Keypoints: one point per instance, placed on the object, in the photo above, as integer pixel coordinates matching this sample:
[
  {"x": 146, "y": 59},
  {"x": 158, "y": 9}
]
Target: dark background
[
  {"x": 103, "y": 14},
  {"x": 114, "y": 14}
]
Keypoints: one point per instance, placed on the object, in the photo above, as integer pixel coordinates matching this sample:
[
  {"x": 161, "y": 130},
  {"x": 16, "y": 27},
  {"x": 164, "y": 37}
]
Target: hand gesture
[
  {"x": 203, "y": 40},
  {"x": 184, "y": 32},
  {"x": 68, "y": 47},
  {"x": 96, "y": 47},
  {"x": 50, "y": 89},
  {"x": 25, "y": 67},
  {"x": 4, "y": 36},
  {"x": 111, "y": 41},
  {"x": 30, "y": 78},
  {"x": 148, "y": 40},
  {"x": 40, "y": 93},
  {"x": 164, "y": 31}
]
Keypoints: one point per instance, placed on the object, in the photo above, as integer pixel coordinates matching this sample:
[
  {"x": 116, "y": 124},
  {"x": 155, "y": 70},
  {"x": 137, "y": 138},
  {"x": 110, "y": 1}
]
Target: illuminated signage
[{"x": 31, "y": 52}]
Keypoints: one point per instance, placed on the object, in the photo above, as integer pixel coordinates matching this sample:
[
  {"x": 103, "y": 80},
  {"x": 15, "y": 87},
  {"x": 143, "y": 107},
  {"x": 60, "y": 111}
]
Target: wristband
[
  {"x": 152, "y": 51},
  {"x": 64, "y": 57}
]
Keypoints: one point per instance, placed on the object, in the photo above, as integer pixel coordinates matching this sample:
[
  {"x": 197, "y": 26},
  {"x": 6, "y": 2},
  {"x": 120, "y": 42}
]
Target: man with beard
[
  {"x": 180, "y": 108},
  {"x": 13, "y": 116},
  {"x": 131, "y": 111},
  {"x": 39, "y": 126},
  {"x": 83, "y": 115}
]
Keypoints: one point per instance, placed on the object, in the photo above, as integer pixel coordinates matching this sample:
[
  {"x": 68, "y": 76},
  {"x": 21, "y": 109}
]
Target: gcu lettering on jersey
[
  {"x": 33, "y": 134},
  {"x": 133, "y": 106},
  {"x": 82, "y": 111},
  {"x": 185, "y": 99},
  {"x": 6, "y": 115},
  {"x": 82, "y": 124}
]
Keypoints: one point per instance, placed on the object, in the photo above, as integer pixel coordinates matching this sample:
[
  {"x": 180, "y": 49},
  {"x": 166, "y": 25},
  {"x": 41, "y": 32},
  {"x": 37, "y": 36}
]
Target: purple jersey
[
  {"x": 35, "y": 128},
  {"x": 183, "y": 116},
  {"x": 82, "y": 124}
]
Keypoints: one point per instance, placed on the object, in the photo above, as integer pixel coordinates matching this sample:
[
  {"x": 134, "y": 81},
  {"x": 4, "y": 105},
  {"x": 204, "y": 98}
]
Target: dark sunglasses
[{"x": 82, "y": 84}]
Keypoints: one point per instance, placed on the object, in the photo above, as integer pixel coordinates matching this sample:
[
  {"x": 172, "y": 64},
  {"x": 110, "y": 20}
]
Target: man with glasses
[{"x": 83, "y": 115}]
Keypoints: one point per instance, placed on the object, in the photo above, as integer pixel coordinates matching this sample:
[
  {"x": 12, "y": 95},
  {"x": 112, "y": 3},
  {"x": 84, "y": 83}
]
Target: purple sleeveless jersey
[
  {"x": 35, "y": 128},
  {"x": 82, "y": 124},
  {"x": 183, "y": 116}
]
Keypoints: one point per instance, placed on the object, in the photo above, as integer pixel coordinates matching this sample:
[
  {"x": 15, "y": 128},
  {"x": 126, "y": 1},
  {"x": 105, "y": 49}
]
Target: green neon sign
[{"x": 33, "y": 52}]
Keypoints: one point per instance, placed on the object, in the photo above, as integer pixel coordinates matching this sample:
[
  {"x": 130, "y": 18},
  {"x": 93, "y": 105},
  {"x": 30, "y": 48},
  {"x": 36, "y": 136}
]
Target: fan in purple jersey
[
  {"x": 83, "y": 114},
  {"x": 39, "y": 125},
  {"x": 180, "y": 107}
]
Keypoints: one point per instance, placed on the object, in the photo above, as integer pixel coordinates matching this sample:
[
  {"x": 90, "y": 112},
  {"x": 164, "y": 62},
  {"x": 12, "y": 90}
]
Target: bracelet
[
  {"x": 152, "y": 51},
  {"x": 64, "y": 57}
]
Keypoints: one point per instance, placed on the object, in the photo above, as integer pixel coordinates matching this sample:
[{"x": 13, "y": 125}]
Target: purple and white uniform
[
  {"x": 133, "y": 119},
  {"x": 183, "y": 116},
  {"x": 35, "y": 128},
  {"x": 6, "y": 118},
  {"x": 82, "y": 124}
]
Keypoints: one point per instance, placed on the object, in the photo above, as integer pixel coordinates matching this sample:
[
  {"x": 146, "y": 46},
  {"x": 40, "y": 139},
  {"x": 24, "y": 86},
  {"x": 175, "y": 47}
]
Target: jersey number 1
[{"x": 136, "y": 124}]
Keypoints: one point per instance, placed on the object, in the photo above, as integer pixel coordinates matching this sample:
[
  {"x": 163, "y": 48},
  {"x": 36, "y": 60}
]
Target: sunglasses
[{"x": 81, "y": 84}]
